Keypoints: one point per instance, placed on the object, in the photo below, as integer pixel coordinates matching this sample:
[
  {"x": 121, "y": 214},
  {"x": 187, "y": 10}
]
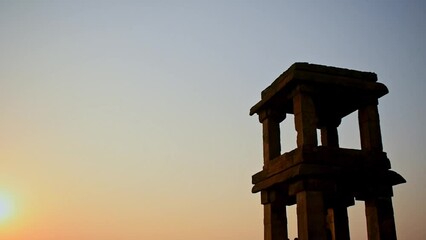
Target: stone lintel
[
  {"x": 312, "y": 184},
  {"x": 300, "y": 171},
  {"x": 322, "y": 81},
  {"x": 364, "y": 182},
  {"x": 347, "y": 160}
]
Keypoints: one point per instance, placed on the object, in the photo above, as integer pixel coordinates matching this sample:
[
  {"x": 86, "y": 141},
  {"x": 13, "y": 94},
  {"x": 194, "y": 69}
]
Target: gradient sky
[{"x": 128, "y": 120}]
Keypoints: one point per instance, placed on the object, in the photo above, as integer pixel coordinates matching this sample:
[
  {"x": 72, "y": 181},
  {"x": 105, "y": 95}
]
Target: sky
[{"x": 128, "y": 120}]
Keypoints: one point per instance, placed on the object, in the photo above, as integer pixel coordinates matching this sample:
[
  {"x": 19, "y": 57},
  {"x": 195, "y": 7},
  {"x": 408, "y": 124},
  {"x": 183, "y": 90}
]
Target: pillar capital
[{"x": 273, "y": 114}]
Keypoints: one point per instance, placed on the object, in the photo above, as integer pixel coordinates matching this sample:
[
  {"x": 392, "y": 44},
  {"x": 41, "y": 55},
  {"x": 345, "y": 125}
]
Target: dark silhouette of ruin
[{"x": 323, "y": 180}]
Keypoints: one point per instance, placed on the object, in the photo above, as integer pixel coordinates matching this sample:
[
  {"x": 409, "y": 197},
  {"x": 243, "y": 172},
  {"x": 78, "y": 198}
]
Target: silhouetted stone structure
[{"x": 324, "y": 180}]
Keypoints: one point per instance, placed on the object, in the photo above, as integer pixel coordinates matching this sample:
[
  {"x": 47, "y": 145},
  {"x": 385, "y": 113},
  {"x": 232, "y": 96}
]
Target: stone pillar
[
  {"x": 380, "y": 219},
  {"x": 369, "y": 127},
  {"x": 271, "y": 135},
  {"x": 337, "y": 215},
  {"x": 274, "y": 209},
  {"x": 338, "y": 222},
  {"x": 305, "y": 120},
  {"x": 329, "y": 136},
  {"x": 379, "y": 210},
  {"x": 274, "y": 216},
  {"x": 311, "y": 216}
]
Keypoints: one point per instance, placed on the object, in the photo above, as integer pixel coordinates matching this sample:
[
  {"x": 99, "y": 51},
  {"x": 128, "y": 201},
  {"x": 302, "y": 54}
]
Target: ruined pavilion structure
[{"x": 324, "y": 179}]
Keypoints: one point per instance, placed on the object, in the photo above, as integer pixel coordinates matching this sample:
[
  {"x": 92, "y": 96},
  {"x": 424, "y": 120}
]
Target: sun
[{"x": 6, "y": 207}]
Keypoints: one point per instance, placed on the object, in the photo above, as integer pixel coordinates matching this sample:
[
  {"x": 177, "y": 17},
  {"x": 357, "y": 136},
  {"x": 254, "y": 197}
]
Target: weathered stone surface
[{"x": 324, "y": 180}]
